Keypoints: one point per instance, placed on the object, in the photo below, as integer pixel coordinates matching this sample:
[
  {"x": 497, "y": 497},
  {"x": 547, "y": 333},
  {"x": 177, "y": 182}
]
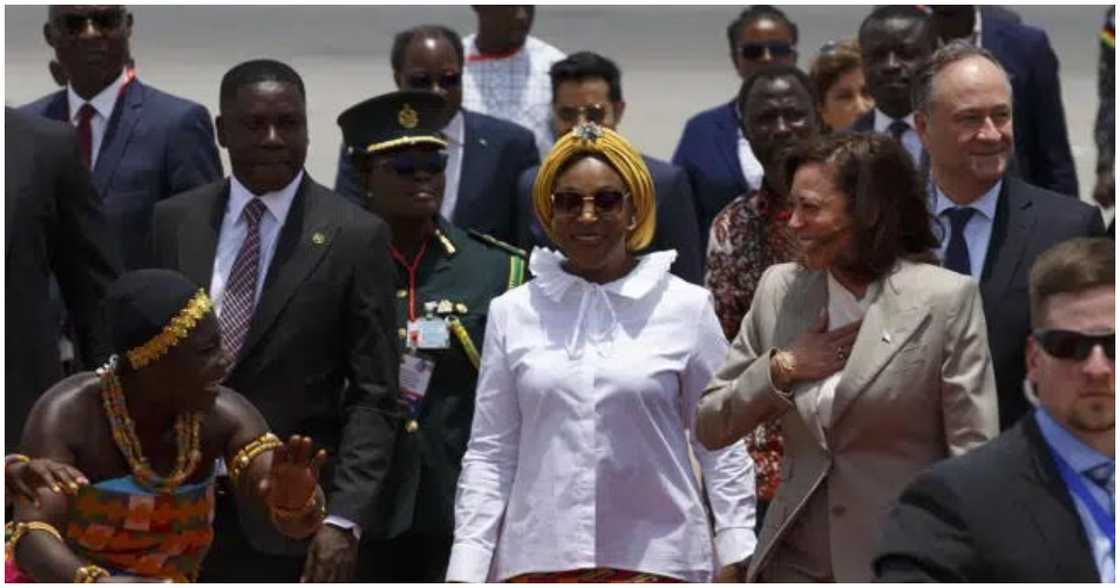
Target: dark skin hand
[
  {"x": 814, "y": 352},
  {"x": 24, "y": 479}
]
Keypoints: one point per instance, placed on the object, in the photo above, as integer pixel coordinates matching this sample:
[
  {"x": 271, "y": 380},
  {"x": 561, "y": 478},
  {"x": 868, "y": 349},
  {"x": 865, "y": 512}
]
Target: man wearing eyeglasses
[
  {"x": 485, "y": 155},
  {"x": 587, "y": 87},
  {"x": 141, "y": 145},
  {"x": 719, "y": 160},
  {"x": 1037, "y": 503}
]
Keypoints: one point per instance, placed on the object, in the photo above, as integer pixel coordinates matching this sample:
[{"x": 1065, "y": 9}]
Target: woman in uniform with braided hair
[
  {"x": 578, "y": 464},
  {"x": 145, "y": 430}
]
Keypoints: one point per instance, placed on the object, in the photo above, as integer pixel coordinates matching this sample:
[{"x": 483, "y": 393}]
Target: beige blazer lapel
[{"x": 804, "y": 302}]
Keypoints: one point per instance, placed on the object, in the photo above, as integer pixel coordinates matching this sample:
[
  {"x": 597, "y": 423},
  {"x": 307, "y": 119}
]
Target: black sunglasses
[
  {"x": 103, "y": 20},
  {"x": 595, "y": 113},
  {"x": 755, "y": 51},
  {"x": 1073, "y": 344},
  {"x": 423, "y": 81},
  {"x": 606, "y": 202},
  {"x": 407, "y": 164}
]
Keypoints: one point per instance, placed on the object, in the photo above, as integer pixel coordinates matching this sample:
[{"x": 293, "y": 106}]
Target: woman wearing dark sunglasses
[
  {"x": 445, "y": 279},
  {"x": 578, "y": 463}
]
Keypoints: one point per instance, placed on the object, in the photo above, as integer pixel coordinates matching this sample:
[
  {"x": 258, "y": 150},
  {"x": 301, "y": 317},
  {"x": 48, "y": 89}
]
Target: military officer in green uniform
[{"x": 445, "y": 280}]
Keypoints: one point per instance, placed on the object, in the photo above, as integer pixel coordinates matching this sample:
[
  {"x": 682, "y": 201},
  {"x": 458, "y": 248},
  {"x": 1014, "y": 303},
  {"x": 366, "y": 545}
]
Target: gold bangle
[
  {"x": 247, "y": 454},
  {"x": 89, "y": 574},
  {"x": 15, "y": 458},
  {"x": 18, "y": 530},
  {"x": 285, "y": 514}
]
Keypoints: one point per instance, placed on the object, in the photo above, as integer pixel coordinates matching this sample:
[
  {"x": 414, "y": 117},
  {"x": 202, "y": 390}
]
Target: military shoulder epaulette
[{"x": 487, "y": 239}]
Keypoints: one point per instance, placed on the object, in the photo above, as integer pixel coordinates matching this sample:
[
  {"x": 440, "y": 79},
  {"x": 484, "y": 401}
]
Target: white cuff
[
  {"x": 345, "y": 525},
  {"x": 734, "y": 545},
  {"x": 468, "y": 564}
]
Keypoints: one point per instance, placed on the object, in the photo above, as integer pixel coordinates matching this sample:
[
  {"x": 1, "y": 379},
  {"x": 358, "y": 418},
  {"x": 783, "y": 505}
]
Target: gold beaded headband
[{"x": 175, "y": 331}]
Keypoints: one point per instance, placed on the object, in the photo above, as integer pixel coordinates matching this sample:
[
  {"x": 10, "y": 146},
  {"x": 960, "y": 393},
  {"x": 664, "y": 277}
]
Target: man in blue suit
[
  {"x": 713, "y": 150},
  {"x": 485, "y": 154},
  {"x": 1042, "y": 151},
  {"x": 141, "y": 144},
  {"x": 587, "y": 87}
]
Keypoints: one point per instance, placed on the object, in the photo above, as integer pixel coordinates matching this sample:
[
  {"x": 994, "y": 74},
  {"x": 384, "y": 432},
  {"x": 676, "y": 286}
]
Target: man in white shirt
[{"x": 506, "y": 72}]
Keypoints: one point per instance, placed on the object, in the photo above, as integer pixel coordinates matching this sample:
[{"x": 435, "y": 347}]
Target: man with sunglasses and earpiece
[
  {"x": 445, "y": 278},
  {"x": 713, "y": 151},
  {"x": 485, "y": 155},
  {"x": 587, "y": 87},
  {"x": 1036, "y": 504}
]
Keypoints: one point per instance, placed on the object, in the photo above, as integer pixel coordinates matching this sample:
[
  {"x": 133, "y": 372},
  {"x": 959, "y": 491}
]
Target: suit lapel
[
  {"x": 307, "y": 234},
  {"x": 1007, "y": 247},
  {"x": 198, "y": 237},
  {"x": 727, "y": 144},
  {"x": 471, "y": 167},
  {"x": 117, "y": 135},
  {"x": 58, "y": 109},
  {"x": 805, "y": 300}
]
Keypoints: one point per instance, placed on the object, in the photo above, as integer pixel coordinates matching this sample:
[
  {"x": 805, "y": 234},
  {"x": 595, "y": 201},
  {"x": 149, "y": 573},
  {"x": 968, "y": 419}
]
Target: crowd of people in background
[{"x": 859, "y": 327}]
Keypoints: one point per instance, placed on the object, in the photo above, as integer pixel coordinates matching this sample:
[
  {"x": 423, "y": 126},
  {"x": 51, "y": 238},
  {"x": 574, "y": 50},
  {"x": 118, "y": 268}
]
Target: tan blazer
[{"x": 917, "y": 388}]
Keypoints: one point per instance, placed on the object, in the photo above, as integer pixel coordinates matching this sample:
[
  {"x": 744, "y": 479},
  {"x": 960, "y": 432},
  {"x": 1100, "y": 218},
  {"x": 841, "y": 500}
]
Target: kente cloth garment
[
  {"x": 748, "y": 236},
  {"x": 592, "y": 576}
]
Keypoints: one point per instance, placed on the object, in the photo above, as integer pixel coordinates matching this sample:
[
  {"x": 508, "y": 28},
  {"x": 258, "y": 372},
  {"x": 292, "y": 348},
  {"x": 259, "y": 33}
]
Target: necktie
[
  {"x": 241, "y": 288},
  {"x": 956, "y": 254},
  {"x": 897, "y": 129},
  {"x": 85, "y": 133},
  {"x": 1101, "y": 475}
]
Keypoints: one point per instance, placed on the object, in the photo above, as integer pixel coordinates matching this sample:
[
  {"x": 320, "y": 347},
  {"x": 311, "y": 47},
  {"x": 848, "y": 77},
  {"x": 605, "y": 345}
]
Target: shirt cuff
[
  {"x": 734, "y": 545},
  {"x": 345, "y": 524},
  {"x": 468, "y": 564}
]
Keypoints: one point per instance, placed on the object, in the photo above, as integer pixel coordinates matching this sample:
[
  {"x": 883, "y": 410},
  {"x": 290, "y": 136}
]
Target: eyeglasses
[
  {"x": 1073, "y": 344},
  {"x": 755, "y": 51},
  {"x": 103, "y": 20},
  {"x": 408, "y": 164},
  {"x": 423, "y": 81},
  {"x": 595, "y": 113},
  {"x": 606, "y": 202}
]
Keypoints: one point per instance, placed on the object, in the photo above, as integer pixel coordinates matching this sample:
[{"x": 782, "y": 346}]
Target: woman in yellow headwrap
[{"x": 577, "y": 466}]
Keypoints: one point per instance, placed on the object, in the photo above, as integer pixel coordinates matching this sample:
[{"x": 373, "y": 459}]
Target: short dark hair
[
  {"x": 754, "y": 13},
  {"x": 584, "y": 65},
  {"x": 885, "y": 197},
  {"x": 1071, "y": 266},
  {"x": 428, "y": 31},
  {"x": 921, "y": 90},
  {"x": 776, "y": 71},
  {"x": 829, "y": 66},
  {"x": 254, "y": 72},
  {"x": 889, "y": 11}
]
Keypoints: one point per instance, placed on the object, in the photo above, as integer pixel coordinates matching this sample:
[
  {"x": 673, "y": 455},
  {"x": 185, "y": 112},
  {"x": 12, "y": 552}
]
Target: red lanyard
[{"x": 411, "y": 268}]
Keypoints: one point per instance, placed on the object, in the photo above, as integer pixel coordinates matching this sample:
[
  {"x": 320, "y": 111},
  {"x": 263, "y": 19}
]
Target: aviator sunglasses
[
  {"x": 606, "y": 202},
  {"x": 407, "y": 164},
  {"x": 103, "y": 20},
  {"x": 755, "y": 51},
  {"x": 595, "y": 113},
  {"x": 1073, "y": 344}
]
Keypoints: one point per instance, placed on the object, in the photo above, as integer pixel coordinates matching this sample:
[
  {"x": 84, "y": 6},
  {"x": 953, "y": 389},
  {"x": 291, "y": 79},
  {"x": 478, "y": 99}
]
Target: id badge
[
  {"x": 415, "y": 375},
  {"x": 429, "y": 333}
]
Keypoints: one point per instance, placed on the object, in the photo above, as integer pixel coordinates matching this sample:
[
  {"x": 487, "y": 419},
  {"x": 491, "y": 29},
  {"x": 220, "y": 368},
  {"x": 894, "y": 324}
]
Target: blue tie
[
  {"x": 956, "y": 254},
  {"x": 1101, "y": 475}
]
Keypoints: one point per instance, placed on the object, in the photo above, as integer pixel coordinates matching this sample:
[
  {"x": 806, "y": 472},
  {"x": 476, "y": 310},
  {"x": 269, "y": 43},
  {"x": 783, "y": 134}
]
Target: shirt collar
[
  {"x": 883, "y": 122},
  {"x": 454, "y": 130},
  {"x": 103, "y": 102},
  {"x": 985, "y": 205},
  {"x": 837, "y": 291},
  {"x": 1078, "y": 455},
  {"x": 278, "y": 203},
  {"x": 652, "y": 268}
]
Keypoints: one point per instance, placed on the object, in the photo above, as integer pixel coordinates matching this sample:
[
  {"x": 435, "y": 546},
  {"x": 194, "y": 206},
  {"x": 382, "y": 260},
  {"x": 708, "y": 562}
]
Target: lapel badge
[
  {"x": 460, "y": 308},
  {"x": 886, "y": 337},
  {"x": 408, "y": 117},
  {"x": 444, "y": 307},
  {"x": 482, "y": 142},
  {"x": 412, "y": 426},
  {"x": 318, "y": 238}
]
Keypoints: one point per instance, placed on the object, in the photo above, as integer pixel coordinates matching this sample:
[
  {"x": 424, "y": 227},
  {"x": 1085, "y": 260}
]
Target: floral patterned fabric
[{"x": 748, "y": 236}]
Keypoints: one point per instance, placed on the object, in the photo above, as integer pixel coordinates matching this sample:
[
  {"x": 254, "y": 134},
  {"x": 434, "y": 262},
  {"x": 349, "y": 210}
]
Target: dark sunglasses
[
  {"x": 423, "y": 81},
  {"x": 407, "y": 164},
  {"x": 103, "y": 20},
  {"x": 595, "y": 113},
  {"x": 571, "y": 203},
  {"x": 1074, "y": 345},
  {"x": 755, "y": 51}
]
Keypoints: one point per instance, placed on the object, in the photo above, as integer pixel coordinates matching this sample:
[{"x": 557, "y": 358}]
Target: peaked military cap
[{"x": 394, "y": 120}]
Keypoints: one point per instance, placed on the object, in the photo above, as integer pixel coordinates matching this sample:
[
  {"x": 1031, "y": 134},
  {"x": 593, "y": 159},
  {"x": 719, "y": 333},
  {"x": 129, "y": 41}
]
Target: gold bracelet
[
  {"x": 15, "y": 458},
  {"x": 89, "y": 574},
  {"x": 285, "y": 514},
  {"x": 247, "y": 454},
  {"x": 18, "y": 530}
]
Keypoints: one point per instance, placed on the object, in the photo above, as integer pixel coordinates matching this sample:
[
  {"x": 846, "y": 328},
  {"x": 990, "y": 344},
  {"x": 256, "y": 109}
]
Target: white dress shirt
[
  {"x": 910, "y": 139},
  {"x": 843, "y": 309},
  {"x": 977, "y": 231},
  {"x": 454, "y": 132},
  {"x": 751, "y": 166},
  {"x": 578, "y": 456},
  {"x": 103, "y": 103}
]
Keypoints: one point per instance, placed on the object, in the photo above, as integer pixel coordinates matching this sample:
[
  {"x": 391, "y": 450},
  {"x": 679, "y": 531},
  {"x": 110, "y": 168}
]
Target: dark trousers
[
  {"x": 233, "y": 559},
  {"x": 407, "y": 558}
]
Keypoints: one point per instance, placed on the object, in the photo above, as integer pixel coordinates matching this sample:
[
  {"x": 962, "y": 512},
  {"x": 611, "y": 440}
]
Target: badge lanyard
[
  {"x": 1104, "y": 521},
  {"x": 411, "y": 268}
]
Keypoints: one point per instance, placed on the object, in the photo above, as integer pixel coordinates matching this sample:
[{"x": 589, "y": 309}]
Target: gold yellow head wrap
[{"x": 589, "y": 138}]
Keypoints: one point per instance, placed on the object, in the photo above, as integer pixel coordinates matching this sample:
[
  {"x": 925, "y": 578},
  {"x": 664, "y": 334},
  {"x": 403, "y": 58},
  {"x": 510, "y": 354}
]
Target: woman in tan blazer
[{"x": 875, "y": 359}]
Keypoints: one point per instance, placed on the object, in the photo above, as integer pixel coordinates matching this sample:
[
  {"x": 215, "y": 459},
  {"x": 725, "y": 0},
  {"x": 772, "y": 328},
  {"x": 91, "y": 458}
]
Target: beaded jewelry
[
  {"x": 89, "y": 574},
  {"x": 175, "y": 331}
]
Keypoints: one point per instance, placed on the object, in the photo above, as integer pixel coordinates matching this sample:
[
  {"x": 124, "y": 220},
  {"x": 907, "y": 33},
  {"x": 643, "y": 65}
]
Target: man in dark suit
[
  {"x": 1035, "y": 504},
  {"x": 588, "y": 87},
  {"x": 298, "y": 279},
  {"x": 53, "y": 222},
  {"x": 993, "y": 225},
  {"x": 486, "y": 155},
  {"x": 1042, "y": 152},
  {"x": 141, "y": 144},
  {"x": 714, "y": 153}
]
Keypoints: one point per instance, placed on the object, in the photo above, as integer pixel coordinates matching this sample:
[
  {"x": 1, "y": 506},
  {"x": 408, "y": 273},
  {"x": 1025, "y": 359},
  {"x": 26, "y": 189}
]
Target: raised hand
[{"x": 293, "y": 477}]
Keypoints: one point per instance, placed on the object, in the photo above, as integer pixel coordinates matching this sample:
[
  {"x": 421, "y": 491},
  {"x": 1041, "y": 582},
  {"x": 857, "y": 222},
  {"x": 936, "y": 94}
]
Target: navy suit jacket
[
  {"x": 156, "y": 145},
  {"x": 1041, "y": 140},
  {"x": 675, "y": 224},
  {"x": 495, "y": 153},
  {"x": 709, "y": 153}
]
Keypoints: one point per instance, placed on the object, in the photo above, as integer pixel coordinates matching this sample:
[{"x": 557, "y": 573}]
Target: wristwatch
[{"x": 782, "y": 366}]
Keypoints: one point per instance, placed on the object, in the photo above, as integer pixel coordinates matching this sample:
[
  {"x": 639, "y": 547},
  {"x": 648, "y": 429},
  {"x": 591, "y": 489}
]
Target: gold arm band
[
  {"x": 89, "y": 574},
  {"x": 464, "y": 338},
  {"x": 247, "y": 454},
  {"x": 15, "y": 458},
  {"x": 16, "y": 531}
]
